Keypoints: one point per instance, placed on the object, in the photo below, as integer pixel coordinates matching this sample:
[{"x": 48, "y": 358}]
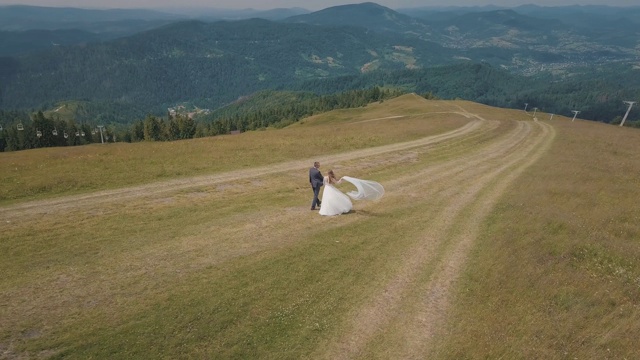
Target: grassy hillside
[
  {"x": 499, "y": 236},
  {"x": 556, "y": 272}
]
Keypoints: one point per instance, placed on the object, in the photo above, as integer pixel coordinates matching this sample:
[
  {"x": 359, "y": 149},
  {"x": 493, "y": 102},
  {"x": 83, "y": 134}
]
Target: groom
[{"x": 316, "y": 179}]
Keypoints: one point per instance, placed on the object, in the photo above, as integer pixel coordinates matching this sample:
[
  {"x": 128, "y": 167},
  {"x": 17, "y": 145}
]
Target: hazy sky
[{"x": 307, "y": 4}]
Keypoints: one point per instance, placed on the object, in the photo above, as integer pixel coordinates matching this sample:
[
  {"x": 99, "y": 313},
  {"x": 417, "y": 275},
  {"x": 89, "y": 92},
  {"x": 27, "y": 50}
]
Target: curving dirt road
[{"x": 408, "y": 313}]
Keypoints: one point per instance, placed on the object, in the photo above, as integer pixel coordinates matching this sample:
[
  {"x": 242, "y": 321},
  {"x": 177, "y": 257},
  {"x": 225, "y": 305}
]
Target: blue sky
[{"x": 307, "y": 4}]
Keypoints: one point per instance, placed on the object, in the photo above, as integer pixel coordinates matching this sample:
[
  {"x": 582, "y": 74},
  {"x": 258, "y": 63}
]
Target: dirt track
[
  {"x": 464, "y": 186},
  {"x": 480, "y": 179}
]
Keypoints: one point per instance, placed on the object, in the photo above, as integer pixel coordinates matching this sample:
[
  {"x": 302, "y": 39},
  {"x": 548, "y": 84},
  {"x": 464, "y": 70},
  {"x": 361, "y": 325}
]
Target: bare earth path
[
  {"x": 403, "y": 318},
  {"x": 406, "y": 315}
]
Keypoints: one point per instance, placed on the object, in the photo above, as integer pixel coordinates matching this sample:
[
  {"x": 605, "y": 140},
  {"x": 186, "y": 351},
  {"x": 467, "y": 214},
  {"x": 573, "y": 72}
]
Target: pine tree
[{"x": 152, "y": 128}]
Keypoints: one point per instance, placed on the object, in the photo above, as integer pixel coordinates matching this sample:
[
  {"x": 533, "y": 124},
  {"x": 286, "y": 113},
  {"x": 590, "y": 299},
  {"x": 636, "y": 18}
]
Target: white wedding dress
[{"x": 334, "y": 202}]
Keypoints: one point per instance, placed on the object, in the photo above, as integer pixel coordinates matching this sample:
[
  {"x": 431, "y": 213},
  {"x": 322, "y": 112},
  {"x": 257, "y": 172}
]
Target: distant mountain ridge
[
  {"x": 26, "y": 17},
  {"x": 212, "y": 63},
  {"x": 367, "y": 15},
  {"x": 519, "y": 38},
  {"x": 23, "y": 42},
  {"x": 23, "y": 17},
  {"x": 26, "y": 29}
]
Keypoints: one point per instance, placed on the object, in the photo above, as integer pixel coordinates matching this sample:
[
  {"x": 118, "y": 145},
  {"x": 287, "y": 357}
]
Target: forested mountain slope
[
  {"x": 502, "y": 57},
  {"x": 216, "y": 62}
]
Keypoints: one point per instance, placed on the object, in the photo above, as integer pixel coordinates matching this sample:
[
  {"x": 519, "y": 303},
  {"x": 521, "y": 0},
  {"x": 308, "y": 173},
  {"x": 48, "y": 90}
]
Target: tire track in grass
[
  {"x": 452, "y": 234},
  {"x": 430, "y": 313}
]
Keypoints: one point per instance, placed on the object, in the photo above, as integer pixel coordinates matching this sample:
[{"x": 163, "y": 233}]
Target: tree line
[{"x": 23, "y": 131}]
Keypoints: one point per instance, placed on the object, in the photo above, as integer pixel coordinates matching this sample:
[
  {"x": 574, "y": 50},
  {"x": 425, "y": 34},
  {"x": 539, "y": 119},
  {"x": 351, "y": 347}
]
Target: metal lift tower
[{"x": 630, "y": 103}]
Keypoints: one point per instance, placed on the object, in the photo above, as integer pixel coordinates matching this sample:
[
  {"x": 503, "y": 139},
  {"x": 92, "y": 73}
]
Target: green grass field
[{"x": 498, "y": 237}]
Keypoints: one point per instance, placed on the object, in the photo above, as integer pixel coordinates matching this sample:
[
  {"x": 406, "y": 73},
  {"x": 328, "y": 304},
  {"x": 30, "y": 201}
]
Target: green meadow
[{"x": 499, "y": 236}]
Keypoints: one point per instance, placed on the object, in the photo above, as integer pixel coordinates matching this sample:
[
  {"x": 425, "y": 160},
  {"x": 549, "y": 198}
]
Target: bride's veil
[{"x": 366, "y": 189}]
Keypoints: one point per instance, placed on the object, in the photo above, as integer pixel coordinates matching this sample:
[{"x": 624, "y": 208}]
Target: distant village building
[{"x": 182, "y": 110}]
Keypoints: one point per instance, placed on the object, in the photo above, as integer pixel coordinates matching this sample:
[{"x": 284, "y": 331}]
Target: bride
[{"x": 334, "y": 202}]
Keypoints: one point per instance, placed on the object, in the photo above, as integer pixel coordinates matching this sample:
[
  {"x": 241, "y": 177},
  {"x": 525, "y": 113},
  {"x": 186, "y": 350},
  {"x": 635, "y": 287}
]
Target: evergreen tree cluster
[
  {"x": 266, "y": 109},
  {"x": 154, "y": 128},
  {"x": 21, "y": 131},
  {"x": 292, "y": 110}
]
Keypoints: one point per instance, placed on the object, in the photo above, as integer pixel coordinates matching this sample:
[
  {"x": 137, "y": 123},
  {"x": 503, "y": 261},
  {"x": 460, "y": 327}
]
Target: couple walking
[{"x": 334, "y": 201}]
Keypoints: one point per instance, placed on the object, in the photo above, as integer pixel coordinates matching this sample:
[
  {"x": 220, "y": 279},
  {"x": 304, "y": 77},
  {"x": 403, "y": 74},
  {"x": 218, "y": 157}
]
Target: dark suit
[{"x": 316, "y": 180}]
